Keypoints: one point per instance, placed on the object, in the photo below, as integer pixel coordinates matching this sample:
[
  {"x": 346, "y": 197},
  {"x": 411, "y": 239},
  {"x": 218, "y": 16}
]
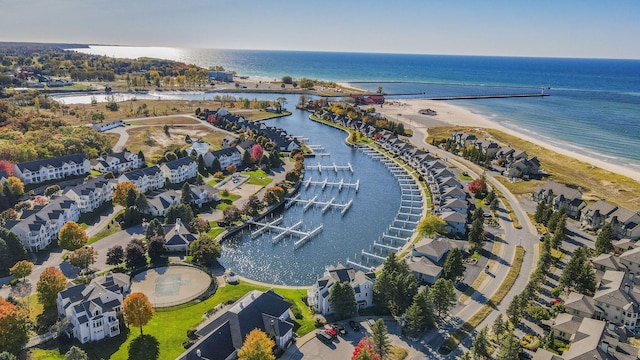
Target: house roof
[
  {"x": 225, "y": 152},
  {"x": 560, "y": 190},
  {"x": 422, "y": 265},
  {"x": 581, "y": 303},
  {"x": 566, "y": 323},
  {"x": 176, "y": 164},
  {"x": 88, "y": 187},
  {"x": 612, "y": 290},
  {"x": 39, "y": 217},
  {"x": 217, "y": 345},
  {"x": 632, "y": 255},
  {"x": 178, "y": 234},
  {"x": 586, "y": 341},
  {"x": 433, "y": 248},
  {"x": 601, "y": 206},
  {"x": 53, "y": 162},
  {"x": 607, "y": 260},
  {"x": 453, "y": 217},
  {"x": 139, "y": 173}
]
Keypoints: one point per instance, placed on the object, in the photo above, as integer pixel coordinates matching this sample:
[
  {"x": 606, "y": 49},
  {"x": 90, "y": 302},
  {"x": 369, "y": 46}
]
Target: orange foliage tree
[
  {"x": 72, "y": 236},
  {"x": 364, "y": 351},
  {"x": 51, "y": 282},
  {"x": 14, "y": 327},
  {"x": 137, "y": 310},
  {"x": 119, "y": 196},
  {"x": 257, "y": 345}
]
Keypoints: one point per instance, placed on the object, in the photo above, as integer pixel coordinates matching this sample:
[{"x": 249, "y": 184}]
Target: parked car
[
  {"x": 370, "y": 321},
  {"x": 324, "y": 336},
  {"x": 354, "y": 325},
  {"x": 330, "y": 331},
  {"x": 556, "y": 302},
  {"x": 339, "y": 329}
]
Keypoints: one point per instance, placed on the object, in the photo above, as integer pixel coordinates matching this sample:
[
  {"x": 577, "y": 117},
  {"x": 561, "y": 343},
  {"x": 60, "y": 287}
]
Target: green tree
[
  {"x": 396, "y": 286},
  {"x": 180, "y": 211},
  {"x": 541, "y": 213},
  {"x": 253, "y": 206},
  {"x": 343, "y": 299},
  {"x": 72, "y": 236},
  {"x": 257, "y": 346},
  {"x": 132, "y": 195},
  {"x": 443, "y": 296},
  {"x": 515, "y": 311},
  {"x": 51, "y": 282},
  {"x": 574, "y": 268},
  {"x": 21, "y": 269},
  {"x": 510, "y": 348},
  {"x": 586, "y": 281},
  {"x": 12, "y": 250},
  {"x": 499, "y": 327},
  {"x": 476, "y": 235},
  {"x": 480, "y": 348},
  {"x": 215, "y": 165},
  {"x": 137, "y": 310},
  {"x": 186, "y": 197},
  {"x": 380, "y": 338},
  {"x": 154, "y": 228},
  {"x": 199, "y": 225},
  {"x": 7, "y": 356},
  {"x": 453, "y": 266},
  {"x": 205, "y": 251},
  {"x": 414, "y": 319},
  {"x": 75, "y": 353},
  {"x": 231, "y": 214},
  {"x": 135, "y": 255},
  {"x": 604, "y": 241},
  {"x": 156, "y": 249},
  {"x": 431, "y": 225}
]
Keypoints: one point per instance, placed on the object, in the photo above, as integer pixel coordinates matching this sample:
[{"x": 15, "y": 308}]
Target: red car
[
  {"x": 330, "y": 331},
  {"x": 556, "y": 302}
]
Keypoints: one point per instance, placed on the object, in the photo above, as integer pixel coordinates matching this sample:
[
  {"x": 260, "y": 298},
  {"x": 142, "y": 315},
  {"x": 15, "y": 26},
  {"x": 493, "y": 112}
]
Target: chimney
[
  {"x": 178, "y": 224},
  {"x": 626, "y": 288}
]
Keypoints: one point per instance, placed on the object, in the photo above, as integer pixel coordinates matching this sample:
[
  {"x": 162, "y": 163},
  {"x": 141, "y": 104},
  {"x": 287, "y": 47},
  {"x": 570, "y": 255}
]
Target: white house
[
  {"x": 102, "y": 127},
  {"x": 117, "y": 162},
  {"x": 362, "y": 284},
  {"x": 178, "y": 237},
  {"x": 180, "y": 170},
  {"x": 92, "y": 309},
  {"x": 160, "y": 201},
  {"x": 203, "y": 194},
  {"x": 145, "y": 179},
  {"x": 226, "y": 157},
  {"x": 38, "y": 171},
  {"x": 90, "y": 195},
  {"x": 38, "y": 228},
  {"x": 456, "y": 222}
]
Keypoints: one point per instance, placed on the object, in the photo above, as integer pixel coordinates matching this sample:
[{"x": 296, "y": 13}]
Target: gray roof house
[
  {"x": 93, "y": 193},
  {"x": 178, "y": 237},
  {"x": 34, "y": 172},
  {"x": 145, "y": 179},
  {"x": 179, "y": 170},
  {"x": 223, "y": 335},
  {"x": 361, "y": 282},
  {"x": 559, "y": 195},
  {"x": 594, "y": 215},
  {"x": 117, "y": 162}
]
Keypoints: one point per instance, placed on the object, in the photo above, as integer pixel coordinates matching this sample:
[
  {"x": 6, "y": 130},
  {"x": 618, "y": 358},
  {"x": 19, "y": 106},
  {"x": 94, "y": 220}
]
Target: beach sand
[{"x": 448, "y": 114}]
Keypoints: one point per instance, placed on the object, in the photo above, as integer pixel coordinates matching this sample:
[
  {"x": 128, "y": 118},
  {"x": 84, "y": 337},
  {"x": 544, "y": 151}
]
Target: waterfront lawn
[
  {"x": 215, "y": 230},
  {"x": 258, "y": 177},
  {"x": 169, "y": 326},
  {"x": 226, "y": 201},
  {"x": 259, "y": 115}
]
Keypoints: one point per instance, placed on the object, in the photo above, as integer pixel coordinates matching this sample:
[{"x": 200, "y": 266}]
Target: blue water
[{"x": 594, "y": 107}]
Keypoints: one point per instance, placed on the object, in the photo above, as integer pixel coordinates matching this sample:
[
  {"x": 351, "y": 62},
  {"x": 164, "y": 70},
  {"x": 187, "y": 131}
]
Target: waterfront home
[
  {"x": 427, "y": 258},
  {"x": 593, "y": 216},
  {"x": 92, "y": 309},
  {"x": 226, "y": 157},
  {"x": 522, "y": 168},
  {"x": 625, "y": 223},
  {"x": 361, "y": 282},
  {"x": 178, "y": 237},
  {"x": 220, "y": 76},
  {"x": 424, "y": 269},
  {"x": 203, "y": 194},
  {"x": 456, "y": 222},
  {"x": 145, "y": 179},
  {"x": 102, "y": 127},
  {"x": 93, "y": 193},
  {"x": 179, "y": 170},
  {"x": 463, "y": 139},
  {"x": 160, "y": 201},
  {"x": 592, "y": 340},
  {"x": 34, "y": 172},
  {"x": 37, "y": 228},
  {"x": 117, "y": 162},
  {"x": 487, "y": 147},
  {"x": 223, "y": 335},
  {"x": 457, "y": 205},
  {"x": 558, "y": 196}
]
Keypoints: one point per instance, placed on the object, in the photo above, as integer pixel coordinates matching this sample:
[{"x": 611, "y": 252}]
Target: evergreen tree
[
  {"x": 604, "y": 241},
  {"x": 396, "y": 286},
  {"x": 480, "y": 348},
  {"x": 343, "y": 299},
  {"x": 541, "y": 212},
  {"x": 154, "y": 228},
  {"x": 476, "y": 235},
  {"x": 141, "y": 157},
  {"x": 215, "y": 165},
  {"x": 453, "y": 266},
  {"x": 574, "y": 269},
  {"x": 246, "y": 158},
  {"x": 202, "y": 167},
  {"x": 186, "y": 197},
  {"x": 514, "y": 311},
  {"x": 586, "y": 281},
  {"x": 156, "y": 249},
  {"x": 499, "y": 327},
  {"x": 510, "y": 348},
  {"x": 380, "y": 338},
  {"x": 132, "y": 194},
  {"x": 443, "y": 296}
]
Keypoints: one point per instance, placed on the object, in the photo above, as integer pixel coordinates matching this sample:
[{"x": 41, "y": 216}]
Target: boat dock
[
  {"x": 340, "y": 184},
  {"x": 284, "y": 231},
  {"x": 333, "y": 167},
  {"x": 326, "y": 205}
]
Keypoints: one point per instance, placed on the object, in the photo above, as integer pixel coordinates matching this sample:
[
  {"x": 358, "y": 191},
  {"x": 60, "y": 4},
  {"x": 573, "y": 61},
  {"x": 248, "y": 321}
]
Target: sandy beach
[{"x": 407, "y": 111}]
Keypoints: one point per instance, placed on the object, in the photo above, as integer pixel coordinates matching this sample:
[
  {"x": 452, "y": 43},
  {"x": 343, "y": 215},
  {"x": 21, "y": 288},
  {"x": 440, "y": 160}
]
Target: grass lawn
[
  {"x": 397, "y": 353},
  {"x": 215, "y": 230},
  {"x": 464, "y": 177},
  {"x": 258, "y": 177},
  {"x": 169, "y": 326},
  {"x": 110, "y": 229},
  {"x": 214, "y": 181},
  {"x": 257, "y": 115},
  {"x": 95, "y": 173}
]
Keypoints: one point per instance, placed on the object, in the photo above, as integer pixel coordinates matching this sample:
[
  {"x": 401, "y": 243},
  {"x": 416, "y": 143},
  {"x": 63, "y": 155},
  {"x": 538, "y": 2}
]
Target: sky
[{"x": 543, "y": 28}]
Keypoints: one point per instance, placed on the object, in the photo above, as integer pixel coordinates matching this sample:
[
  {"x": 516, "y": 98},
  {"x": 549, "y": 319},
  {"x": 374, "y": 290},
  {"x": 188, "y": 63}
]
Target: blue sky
[{"x": 570, "y": 28}]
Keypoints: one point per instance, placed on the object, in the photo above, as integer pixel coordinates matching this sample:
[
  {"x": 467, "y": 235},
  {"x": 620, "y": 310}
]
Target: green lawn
[
  {"x": 95, "y": 173},
  {"x": 226, "y": 201},
  {"x": 169, "y": 326},
  {"x": 215, "y": 230},
  {"x": 258, "y": 177},
  {"x": 464, "y": 177},
  {"x": 110, "y": 229}
]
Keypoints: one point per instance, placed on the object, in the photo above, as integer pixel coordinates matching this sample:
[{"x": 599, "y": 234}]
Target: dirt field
[
  {"x": 171, "y": 285},
  {"x": 172, "y": 120},
  {"x": 152, "y": 139}
]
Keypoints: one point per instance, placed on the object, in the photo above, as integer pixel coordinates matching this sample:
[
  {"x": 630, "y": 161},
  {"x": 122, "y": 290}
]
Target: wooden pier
[
  {"x": 333, "y": 167},
  {"x": 285, "y": 231},
  {"x": 326, "y": 205},
  {"x": 340, "y": 184}
]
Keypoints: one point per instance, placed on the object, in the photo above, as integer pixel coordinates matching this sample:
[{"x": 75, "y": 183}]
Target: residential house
[
  {"x": 203, "y": 194},
  {"x": 117, "y": 162},
  {"x": 424, "y": 269},
  {"x": 488, "y": 148},
  {"x": 160, "y": 201},
  {"x": 463, "y": 139},
  {"x": 200, "y": 148},
  {"x": 93, "y": 193},
  {"x": 604, "y": 262},
  {"x": 427, "y": 258},
  {"x": 178, "y": 237},
  {"x": 229, "y": 141},
  {"x": 145, "y": 179},
  {"x": 593, "y": 216},
  {"x": 630, "y": 259},
  {"x": 522, "y": 168},
  {"x": 565, "y": 326},
  {"x": 102, "y": 127},
  {"x": 39, "y": 227},
  {"x": 582, "y": 305},
  {"x": 558, "y": 196},
  {"x": 361, "y": 282},
  {"x": 226, "y": 157},
  {"x": 179, "y": 170},
  {"x": 618, "y": 299},
  {"x": 223, "y": 335},
  {"x": 221, "y": 76},
  {"x": 625, "y": 223},
  {"x": 92, "y": 309},
  {"x": 457, "y": 205},
  {"x": 34, "y": 172},
  {"x": 456, "y": 222}
]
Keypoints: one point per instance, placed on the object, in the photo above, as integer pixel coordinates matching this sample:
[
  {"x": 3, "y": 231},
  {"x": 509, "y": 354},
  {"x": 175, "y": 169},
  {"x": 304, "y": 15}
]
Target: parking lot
[{"x": 342, "y": 346}]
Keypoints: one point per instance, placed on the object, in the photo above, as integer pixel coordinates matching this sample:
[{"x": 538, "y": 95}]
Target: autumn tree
[
  {"x": 257, "y": 346},
  {"x": 121, "y": 191},
  {"x": 431, "y": 225},
  {"x": 137, "y": 310},
  {"x": 51, "y": 282},
  {"x": 51, "y": 190},
  {"x": 115, "y": 255},
  {"x": 82, "y": 258},
  {"x": 15, "y": 185},
  {"x": 72, "y": 236},
  {"x": 14, "y": 327},
  {"x": 199, "y": 225},
  {"x": 273, "y": 194},
  {"x": 478, "y": 187},
  {"x": 364, "y": 351},
  {"x": 343, "y": 299},
  {"x": 205, "y": 251},
  {"x": 231, "y": 169},
  {"x": 231, "y": 214},
  {"x": 256, "y": 153},
  {"x": 380, "y": 338},
  {"x": 21, "y": 269},
  {"x": 7, "y": 166}
]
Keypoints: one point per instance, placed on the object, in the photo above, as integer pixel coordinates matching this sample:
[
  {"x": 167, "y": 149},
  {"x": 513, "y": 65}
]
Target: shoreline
[{"x": 407, "y": 112}]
